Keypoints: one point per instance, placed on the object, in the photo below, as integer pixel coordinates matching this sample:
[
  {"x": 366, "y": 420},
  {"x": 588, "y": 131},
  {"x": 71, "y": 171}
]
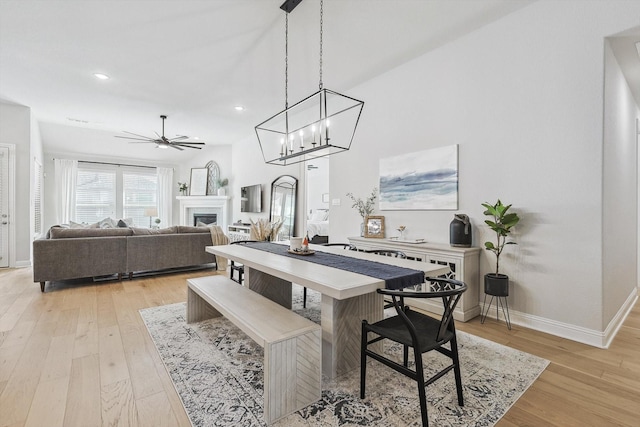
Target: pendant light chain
[
  {"x": 286, "y": 61},
  {"x": 321, "y": 32}
]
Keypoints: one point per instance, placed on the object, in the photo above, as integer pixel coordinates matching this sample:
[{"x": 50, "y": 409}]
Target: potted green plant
[
  {"x": 220, "y": 184},
  {"x": 502, "y": 222}
]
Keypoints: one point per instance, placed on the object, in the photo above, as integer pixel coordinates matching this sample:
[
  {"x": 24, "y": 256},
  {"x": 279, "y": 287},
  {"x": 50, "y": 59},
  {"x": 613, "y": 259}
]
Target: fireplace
[
  {"x": 206, "y": 209},
  {"x": 205, "y": 218}
]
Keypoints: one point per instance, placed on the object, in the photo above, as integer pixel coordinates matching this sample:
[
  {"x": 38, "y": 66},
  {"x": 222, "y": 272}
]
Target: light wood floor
[{"x": 79, "y": 355}]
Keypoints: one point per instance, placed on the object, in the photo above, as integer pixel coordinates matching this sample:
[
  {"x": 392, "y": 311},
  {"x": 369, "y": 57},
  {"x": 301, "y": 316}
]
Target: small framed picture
[
  {"x": 374, "y": 226},
  {"x": 198, "y": 184}
]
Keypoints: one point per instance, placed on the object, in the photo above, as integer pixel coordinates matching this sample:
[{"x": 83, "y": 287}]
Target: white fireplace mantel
[{"x": 204, "y": 204}]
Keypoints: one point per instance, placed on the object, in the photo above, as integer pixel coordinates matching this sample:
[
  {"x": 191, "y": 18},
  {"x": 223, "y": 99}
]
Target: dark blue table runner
[{"x": 395, "y": 277}]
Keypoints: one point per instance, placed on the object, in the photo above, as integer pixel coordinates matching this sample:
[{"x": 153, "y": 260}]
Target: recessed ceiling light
[
  {"x": 239, "y": 108},
  {"x": 101, "y": 76}
]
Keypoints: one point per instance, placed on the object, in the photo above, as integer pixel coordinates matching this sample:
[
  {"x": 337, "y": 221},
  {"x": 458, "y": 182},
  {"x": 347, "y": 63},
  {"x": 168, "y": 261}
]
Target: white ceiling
[{"x": 194, "y": 60}]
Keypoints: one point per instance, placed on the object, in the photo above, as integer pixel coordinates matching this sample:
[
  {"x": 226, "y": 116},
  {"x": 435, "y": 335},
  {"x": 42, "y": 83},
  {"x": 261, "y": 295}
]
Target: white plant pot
[{"x": 222, "y": 192}]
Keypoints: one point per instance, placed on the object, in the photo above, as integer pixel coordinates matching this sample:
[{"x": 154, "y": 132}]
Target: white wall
[
  {"x": 15, "y": 128},
  {"x": 620, "y": 216},
  {"x": 249, "y": 168},
  {"x": 523, "y": 98}
]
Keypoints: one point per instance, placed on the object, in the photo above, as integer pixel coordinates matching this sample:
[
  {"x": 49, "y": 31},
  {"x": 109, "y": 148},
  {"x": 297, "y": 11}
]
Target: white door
[{"x": 4, "y": 207}]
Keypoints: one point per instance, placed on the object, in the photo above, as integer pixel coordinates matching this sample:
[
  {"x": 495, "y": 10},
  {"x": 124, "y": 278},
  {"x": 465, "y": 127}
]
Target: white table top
[{"x": 336, "y": 283}]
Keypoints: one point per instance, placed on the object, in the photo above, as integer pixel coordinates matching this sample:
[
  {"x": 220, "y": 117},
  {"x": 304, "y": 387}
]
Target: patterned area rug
[{"x": 217, "y": 371}]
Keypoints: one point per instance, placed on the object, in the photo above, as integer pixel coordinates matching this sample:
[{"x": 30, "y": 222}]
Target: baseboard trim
[
  {"x": 23, "y": 264},
  {"x": 600, "y": 339}
]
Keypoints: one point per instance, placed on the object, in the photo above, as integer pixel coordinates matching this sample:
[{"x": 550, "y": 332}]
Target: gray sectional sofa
[{"x": 72, "y": 253}]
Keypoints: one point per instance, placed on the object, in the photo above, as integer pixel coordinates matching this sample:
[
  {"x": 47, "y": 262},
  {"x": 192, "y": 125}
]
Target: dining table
[{"x": 347, "y": 297}]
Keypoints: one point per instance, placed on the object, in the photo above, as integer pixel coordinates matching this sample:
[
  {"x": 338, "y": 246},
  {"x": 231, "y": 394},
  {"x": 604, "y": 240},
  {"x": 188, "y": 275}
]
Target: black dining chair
[
  {"x": 419, "y": 331},
  {"x": 237, "y": 266},
  {"x": 348, "y": 246}
]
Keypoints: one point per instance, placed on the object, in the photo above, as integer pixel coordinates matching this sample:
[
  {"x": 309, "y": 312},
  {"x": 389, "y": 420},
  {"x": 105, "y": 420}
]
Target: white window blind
[
  {"x": 37, "y": 198},
  {"x": 95, "y": 195},
  {"x": 116, "y": 192},
  {"x": 139, "y": 193}
]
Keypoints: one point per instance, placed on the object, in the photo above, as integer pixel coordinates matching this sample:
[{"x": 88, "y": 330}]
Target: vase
[
  {"x": 362, "y": 229},
  {"x": 460, "y": 231},
  {"x": 222, "y": 192}
]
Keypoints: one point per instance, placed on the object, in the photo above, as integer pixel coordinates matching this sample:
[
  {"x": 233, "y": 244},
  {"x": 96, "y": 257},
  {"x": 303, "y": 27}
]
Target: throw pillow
[
  {"x": 125, "y": 222},
  {"x": 106, "y": 223}
]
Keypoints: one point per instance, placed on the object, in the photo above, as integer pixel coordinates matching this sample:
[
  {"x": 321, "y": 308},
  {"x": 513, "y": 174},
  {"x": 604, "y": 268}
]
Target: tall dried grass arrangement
[{"x": 265, "y": 230}]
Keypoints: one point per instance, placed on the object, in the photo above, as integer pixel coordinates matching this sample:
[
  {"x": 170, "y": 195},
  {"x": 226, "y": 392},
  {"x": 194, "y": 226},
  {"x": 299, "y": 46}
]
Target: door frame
[{"x": 12, "y": 202}]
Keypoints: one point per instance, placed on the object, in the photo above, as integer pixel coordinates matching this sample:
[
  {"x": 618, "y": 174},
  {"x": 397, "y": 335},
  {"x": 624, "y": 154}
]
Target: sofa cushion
[
  {"x": 188, "y": 229},
  {"x": 69, "y": 233},
  {"x": 147, "y": 231}
]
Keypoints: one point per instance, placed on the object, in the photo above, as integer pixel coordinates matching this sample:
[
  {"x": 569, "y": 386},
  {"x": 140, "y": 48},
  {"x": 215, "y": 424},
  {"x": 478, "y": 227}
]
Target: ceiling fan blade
[
  {"x": 135, "y": 139},
  {"x": 188, "y": 142},
  {"x": 186, "y": 146},
  {"x": 135, "y": 134},
  {"x": 176, "y": 147},
  {"x": 159, "y": 137},
  {"x": 143, "y": 142},
  {"x": 179, "y": 137}
]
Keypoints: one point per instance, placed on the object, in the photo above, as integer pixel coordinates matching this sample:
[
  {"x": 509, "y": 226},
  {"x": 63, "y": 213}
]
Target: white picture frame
[{"x": 198, "y": 182}]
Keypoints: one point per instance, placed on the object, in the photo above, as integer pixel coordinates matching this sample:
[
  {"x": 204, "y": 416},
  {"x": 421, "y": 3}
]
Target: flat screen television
[{"x": 251, "y": 198}]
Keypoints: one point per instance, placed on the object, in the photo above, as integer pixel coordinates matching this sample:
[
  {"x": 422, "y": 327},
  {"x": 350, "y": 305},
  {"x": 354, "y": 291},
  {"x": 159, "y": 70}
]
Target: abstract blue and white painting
[{"x": 424, "y": 180}]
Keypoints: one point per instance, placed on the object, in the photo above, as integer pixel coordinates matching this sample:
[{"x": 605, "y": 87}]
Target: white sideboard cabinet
[
  {"x": 463, "y": 262},
  {"x": 237, "y": 232}
]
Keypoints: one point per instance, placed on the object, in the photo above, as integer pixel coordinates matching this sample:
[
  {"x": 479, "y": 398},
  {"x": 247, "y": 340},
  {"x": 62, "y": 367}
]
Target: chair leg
[
  {"x": 405, "y": 359},
  {"x": 363, "y": 358},
  {"x": 456, "y": 370},
  {"x": 304, "y": 298},
  {"x": 421, "y": 388}
]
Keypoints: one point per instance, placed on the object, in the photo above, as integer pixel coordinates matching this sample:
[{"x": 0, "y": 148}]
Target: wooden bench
[{"x": 291, "y": 343}]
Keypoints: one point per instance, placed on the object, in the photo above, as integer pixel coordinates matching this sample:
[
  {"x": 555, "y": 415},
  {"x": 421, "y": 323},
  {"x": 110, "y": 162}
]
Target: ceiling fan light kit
[
  {"x": 179, "y": 142},
  {"x": 321, "y": 124}
]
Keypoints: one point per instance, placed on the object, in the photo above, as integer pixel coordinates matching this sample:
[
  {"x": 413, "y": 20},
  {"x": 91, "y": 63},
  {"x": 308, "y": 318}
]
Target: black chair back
[
  {"x": 388, "y": 252},
  {"x": 344, "y": 246},
  {"x": 242, "y": 242},
  {"x": 449, "y": 290}
]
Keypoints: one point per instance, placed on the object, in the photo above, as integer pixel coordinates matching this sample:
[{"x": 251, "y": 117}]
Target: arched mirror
[{"x": 283, "y": 205}]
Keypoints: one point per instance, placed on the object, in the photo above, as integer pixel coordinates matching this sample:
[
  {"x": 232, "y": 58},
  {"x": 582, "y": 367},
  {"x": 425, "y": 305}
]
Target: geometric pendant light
[{"x": 321, "y": 124}]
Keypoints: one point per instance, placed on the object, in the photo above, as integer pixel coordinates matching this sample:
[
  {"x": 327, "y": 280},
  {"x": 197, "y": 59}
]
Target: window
[
  {"x": 112, "y": 191},
  {"x": 37, "y": 198}
]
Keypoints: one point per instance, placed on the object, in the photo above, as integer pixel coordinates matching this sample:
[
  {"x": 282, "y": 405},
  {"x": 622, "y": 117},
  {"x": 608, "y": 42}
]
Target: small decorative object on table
[
  {"x": 401, "y": 230},
  {"x": 374, "y": 227},
  {"x": 183, "y": 187},
  {"x": 460, "y": 231},
  {"x": 157, "y": 221}
]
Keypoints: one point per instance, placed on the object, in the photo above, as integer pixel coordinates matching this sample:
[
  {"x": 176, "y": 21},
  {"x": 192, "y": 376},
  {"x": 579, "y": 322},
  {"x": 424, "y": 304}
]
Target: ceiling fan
[{"x": 178, "y": 142}]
